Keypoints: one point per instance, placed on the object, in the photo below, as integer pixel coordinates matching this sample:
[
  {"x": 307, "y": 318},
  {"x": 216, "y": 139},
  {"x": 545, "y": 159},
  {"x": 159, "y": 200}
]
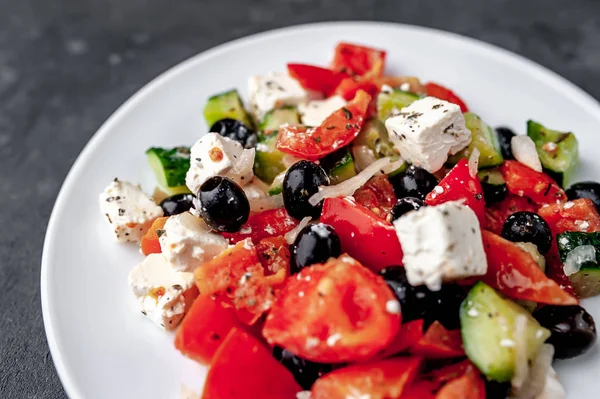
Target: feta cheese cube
[
  {"x": 186, "y": 242},
  {"x": 441, "y": 243},
  {"x": 128, "y": 210},
  {"x": 275, "y": 90},
  {"x": 164, "y": 295},
  {"x": 315, "y": 112},
  {"x": 427, "y": 131},
  {"x": 215, "y": 155}
]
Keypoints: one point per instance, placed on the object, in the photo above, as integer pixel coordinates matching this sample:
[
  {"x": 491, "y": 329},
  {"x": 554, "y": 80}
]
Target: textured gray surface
[{"x": 65, "y": 66}]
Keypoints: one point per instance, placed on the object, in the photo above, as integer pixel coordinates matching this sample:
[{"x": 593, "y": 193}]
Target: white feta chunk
[
  {"x": 441, "y": 243},
  {"x": 315, "y": 112},
  {"x": 215, "y": 155},
  {"x": 164, "y": 295},
  {"x": 186, "y": 242},
  {"x": 275, "y": 90},
  {"x": 128, "y": 210},
  {"x": 427, "y": 131}
]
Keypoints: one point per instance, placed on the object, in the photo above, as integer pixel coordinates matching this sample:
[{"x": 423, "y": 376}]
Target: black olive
[
  {"x": 235, "y": 130},
  {"x": 177, "y": 204},
  {"x": 585, "y": 189},
  {"x": 314, "y": 244},
  {"x": 497, "y": 390},
  {"x": 300, "y": 183},
  {"x": 573, "y": 329},
  {"x": 444, "y": 306},
  {"x": 223, "y": 204},
  {"x": 528, "y": 227},
  {"x": 305, "y": 372},
  {"x": 405, "y": 205},
  {"x": 413, "y": 182},
  {"x": 493, "y": 193},
  {"x": 505, "y": 135}
]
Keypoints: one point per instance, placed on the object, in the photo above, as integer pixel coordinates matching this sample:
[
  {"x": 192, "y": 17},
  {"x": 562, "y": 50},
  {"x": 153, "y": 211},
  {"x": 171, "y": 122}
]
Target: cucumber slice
[
  {"x": 484, "y": 138},
  {"x": 277, "y": 185},
  {"x": 558, "y": 151},
  {"x": 389, "y": 104},
  {"x": 170, "y": 167},
  {"x": 586, "y": 282},
  {"x": 268, "y": 161},
  {"x": 226, "y": 105},
  {"x": 488, "y": 332},
  {"x": 375, "y": 136},
  {"x": 491, "y": 176},
  {"x": 339, "y": 166},
  {"x": 277, "y": 117}
]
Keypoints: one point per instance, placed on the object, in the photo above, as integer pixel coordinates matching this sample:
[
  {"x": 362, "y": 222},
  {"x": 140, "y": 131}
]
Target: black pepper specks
[
  {"x": 347, "y": 113},
  {"x": 121, "y": 211}
]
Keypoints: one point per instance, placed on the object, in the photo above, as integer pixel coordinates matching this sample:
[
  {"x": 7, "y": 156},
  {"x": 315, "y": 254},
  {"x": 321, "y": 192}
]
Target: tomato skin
[
  {"x": 336, "y": 131},
  {"x": 460, "y": 185},
  {"x": 360, "y": 230},
  {"x": 409, "y": 334},
  {"x": 348, "y": 87},
  {"x": 443, "y": 93},
  {"x": 523, "y": 181},
  {"x": 469, "y": 386},
  {"x": 274, "y": 255},
  {"x": 242, "y": 366},
  {"x": 496, "y": 214},
  {"x": 439, "y": 343},
  {"x": 515, "y": 273},
  {"x": 378, "y": 196},
  {"x": 340, "y": 299},
  {"x": 316, "y": 78},
  {"x": 376, "y": 380},
  {"x": 276, "y": 221},
  {"x": 439, "y": 377},
  {"x": 358, "y": 60},
  {"x": 150, "y": 243},
  {"x": 421, "y": 389}
]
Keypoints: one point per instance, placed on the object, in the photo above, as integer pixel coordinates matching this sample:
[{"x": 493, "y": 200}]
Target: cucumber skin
[
  {"x": 226, "y": 105},
  {"x": 484, "y": 138},
  {"x": 268, "y": 161},
  {"x": 586, "y": 282},
  {"x": 339, "y": 166},
  {"x": 169, "y": 166}
]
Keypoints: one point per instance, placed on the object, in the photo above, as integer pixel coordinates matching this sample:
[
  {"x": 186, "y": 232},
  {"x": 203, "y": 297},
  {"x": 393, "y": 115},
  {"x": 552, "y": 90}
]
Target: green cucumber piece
[
  {"x": 558, "y": 151},
  {"x": 339, "y": 165},
  {"x": 226, "y": 105},
  {"x": 389, "y": 104},
  {"x": 268, "y": 161},
  {"x": 488, "y": 331},
  {"x": 277, "y": 185},
  {"x": 586, "y": 282},
  {"x": 491, "y": 176},
  {"x": 374, "y": 135},
  {"x": 277, "y": 117},
  {"x": 170, "y": 167},
  {"x": 485, "y": 139}
]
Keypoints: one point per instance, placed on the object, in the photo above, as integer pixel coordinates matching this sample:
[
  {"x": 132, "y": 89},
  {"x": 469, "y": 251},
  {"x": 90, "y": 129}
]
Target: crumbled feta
[
  {"x": 215, "y": 155},
  {"x": 315, "y": 112},
  {"x": 164, "y": 294},
  {"x": 332, "y": 339},
  {"x": 427, "y": 131},
  {"x": 128, "y": 210},
  {"x": 187, "y": 242},
  {"x": 441, "y": 243},
  {"x": 392, "y": 306}
]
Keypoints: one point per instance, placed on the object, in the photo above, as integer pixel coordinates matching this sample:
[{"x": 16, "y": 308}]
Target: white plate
[{"x": 101, "y": 345}]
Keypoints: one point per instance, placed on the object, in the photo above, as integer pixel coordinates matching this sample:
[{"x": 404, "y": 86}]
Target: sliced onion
[
  {"x": 520, "y": 348},
  {"x": 363, "y": 157},
  {"x": 536, "y": 376},
  {"x": 474, "y": 162},
  {"x": 577, "y": 257},
  {"x": 303, "y": 395},
  {"x": 291, "y": 235},
  {"x": 349, "y": 186},
  {"x": 264, "y": 204},
  {"x": 524, "y": 151},
  {"x": 552, "y": 389}
]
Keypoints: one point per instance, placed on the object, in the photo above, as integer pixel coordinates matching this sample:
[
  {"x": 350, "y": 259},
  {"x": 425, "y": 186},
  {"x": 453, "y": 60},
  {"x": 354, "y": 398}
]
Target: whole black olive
[
  {"x": 573, "y": 329},
  {"x": 493, "y": 193},
  {"x": 585, "y": 189},
  {"x": 505, "y": 135},
  {"x": 413, "y": 182},
  {"x": 528, "y": 227},
  {"x": 300, "y": 183},
  {"x": 405, "y": 205},
  {"x": 177, "y": 204},
  {"x": 497, "y": 390},
  {"x": 305, "y": 372},
  {"x": 314, "y": 244},
  {"x": 235, "y": 130},
  {"x": 223, "y": 204},
  {"x": 445, "y": 305}
]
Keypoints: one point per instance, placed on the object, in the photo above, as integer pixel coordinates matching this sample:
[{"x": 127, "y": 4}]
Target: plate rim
[{"x": 536, "y": 70}]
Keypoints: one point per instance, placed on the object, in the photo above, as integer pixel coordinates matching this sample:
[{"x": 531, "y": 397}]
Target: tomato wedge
[
  {"x": 421, "y": 389},
  {"x": 243, "y": 367},
  {"x": 496, "y": 214},
  {"x": 336, "y": 131},
  {"x": 523, "y": 181},
  {"x": 358, "y": 60},
  {"x": 348, "y": 87},
  {"x": 378, "y": 196},
  {"x": 409, "y": 334},
  {"x": 150, "y": 244},
  {"x": 439, "y": 377},
  {"x": 459, "y": 185},
  {"x": 443, "y": 93},
  {"x": 469, "y": 386},
  {"x": 515, "y": 273},
  {"x": 274, "y": 255},
  {"x": 376, "y": 380},
  {"x": 439, "y": 343},
  {"x": 333, "y": 312},
  {"x": 316, "y": 78},
  {"x": 270, "y": 223},
  {"x": 364, "y": 236}
]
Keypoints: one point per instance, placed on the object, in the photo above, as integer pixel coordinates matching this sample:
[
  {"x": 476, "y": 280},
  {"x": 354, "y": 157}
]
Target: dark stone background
[{"x": 66, "y": 65}]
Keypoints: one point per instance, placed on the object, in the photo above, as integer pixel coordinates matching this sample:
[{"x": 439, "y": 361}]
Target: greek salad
[{"x": 351, "y": 234}]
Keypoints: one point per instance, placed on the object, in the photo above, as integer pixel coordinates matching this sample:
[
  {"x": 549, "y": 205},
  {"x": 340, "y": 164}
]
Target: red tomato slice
[
  {"x": 523, "y": 181},
  {"x": 271, "y": 223},
  {"x": 497, "y": 214},
  {"x": 358, "y": 60},
  {"x": 516, "y": 274},
  {"x": 443, "y": 93},
  {"x": 364, "y": 236},
  {"x": 469, "y": 386},
  {"x": 336, "y": 131},
  {"x": 378, "y": 196},
  {"x": 274, "y": 255},
  {"x": 383, "y": 379},
  {"x": 150, "y": 243},
  {"x": 422, "y": 389},
  {"x": 334, "y": 312},
  {"x": 439, "y": 343},
  {"x": 439, "y": 377},
  {"x": 243, "y": 367},
  {"x": 315, "y": 78},
  {"x": 409, "y": 334},
  {"x": 348, "y": 87},
  {"x": 459, "y": 185}
]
